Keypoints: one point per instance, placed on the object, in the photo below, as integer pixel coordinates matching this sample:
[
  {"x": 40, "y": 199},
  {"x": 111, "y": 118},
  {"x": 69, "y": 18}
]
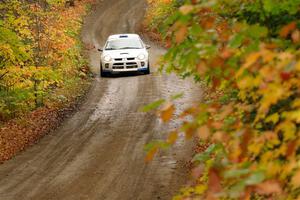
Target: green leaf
[
  {"x": 237, "y": 189},
  {"x": 234, "y": 173},
  {"x": 177, "y": 96},
  {"x": 156, "y": 144},
  {"x": 257, "y": 31},
  {"x": 195, "y": 30},
  {"x": 237, "y": 41},
  {"x": 153, "y": 105},
  {"x": 201, "y": 157},
  {"x": 255, "y": 178}
]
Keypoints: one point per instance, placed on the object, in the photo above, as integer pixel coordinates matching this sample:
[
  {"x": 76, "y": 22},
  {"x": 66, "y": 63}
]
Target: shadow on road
[{"x": 125, "y": 74}]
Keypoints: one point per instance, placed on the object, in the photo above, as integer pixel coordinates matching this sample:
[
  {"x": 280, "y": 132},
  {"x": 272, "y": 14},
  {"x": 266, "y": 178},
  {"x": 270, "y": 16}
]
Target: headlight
[
  {"x": 141, "y": 57},
  {"x": 107, "y": 58}
]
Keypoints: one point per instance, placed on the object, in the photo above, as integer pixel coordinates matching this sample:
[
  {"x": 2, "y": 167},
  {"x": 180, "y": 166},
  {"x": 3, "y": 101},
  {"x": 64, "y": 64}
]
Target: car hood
[{"x": 124, "y": 53}]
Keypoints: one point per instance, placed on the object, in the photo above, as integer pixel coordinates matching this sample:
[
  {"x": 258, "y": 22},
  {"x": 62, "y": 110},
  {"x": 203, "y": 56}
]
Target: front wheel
[
  {"x": 148, "y": 69},
  {"x": 102, "y": 73}
]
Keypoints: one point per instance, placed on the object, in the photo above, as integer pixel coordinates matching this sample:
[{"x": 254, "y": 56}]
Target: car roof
[{"x": 125, "y": 36}]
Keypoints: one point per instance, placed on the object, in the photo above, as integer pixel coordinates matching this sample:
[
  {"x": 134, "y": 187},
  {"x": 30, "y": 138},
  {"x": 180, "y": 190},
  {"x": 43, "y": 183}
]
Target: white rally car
[{"x": 124, "y": 53}]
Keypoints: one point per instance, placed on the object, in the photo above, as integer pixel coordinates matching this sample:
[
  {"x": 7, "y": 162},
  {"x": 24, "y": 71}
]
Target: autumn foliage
[
  {"x": 40, "y": 54},
  {"x": 42, "y": 70},
  {"x": 247, "y": 54}
]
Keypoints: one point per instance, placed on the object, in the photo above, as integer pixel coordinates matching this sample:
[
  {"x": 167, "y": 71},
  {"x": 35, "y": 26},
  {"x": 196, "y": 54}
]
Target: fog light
[
  {"x": 106, "y": 65},
  {"x": 143, "y": 64}
]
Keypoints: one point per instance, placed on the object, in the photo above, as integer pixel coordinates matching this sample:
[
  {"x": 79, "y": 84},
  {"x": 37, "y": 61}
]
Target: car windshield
[{"x": 123, "y": 44}]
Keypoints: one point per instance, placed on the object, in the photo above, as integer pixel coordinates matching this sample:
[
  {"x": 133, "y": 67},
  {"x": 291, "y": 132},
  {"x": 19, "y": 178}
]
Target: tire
[
  {"x": 102, "y": 73},
  {"x": 148, "y": 69}
]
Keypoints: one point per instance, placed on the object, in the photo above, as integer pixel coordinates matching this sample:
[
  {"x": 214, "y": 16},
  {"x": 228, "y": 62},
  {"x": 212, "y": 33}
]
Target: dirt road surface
[{"x": 97, "y": 154}]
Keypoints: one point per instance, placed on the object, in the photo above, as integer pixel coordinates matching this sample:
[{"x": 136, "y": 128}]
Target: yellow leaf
[
  {"x": 268, "y": 73},
  {"x": 200, "y": 189},
  {"x": 267, "y": 156},
  {"x": 251, "y": 59},
  {"x": 268, "y": 56},
  {"x": 274, "y": 168},
  {"x": 288, "y": 129},
  {"x": 296, "y": 179},
  {"x": 235, "y": 151},
  {"x": 288, "y": 168},
  {"x": 282, "y": 150},
  {"x": 248, "y": 82},
  {"x": 273, "y": 118},
  {"x": 298, "y": 66},
  {"x": 271, "y": 95},
  {"x": 255, "y": 148},
  {"x": 296, "y": 103},
  {"x": 293, "y": 115}
]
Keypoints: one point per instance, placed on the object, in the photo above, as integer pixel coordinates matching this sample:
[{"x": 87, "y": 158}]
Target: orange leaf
[
  {"x": 219, "y": 136},
  {"x": 296, "y": 36},
  {"x": 291, "y": 149},
  {"x": 168, "y": 43},
  {"x": 226, "y": 111},
  {"x": 181, "y": 34},
  {"x": 186, "y": 9},
  {"x": 226, "y": 53},
  {"x": 197, "y": 171},
  {"x": 217, "y": 124},
  {"x": 150, "y": 155},
  {"x": 247, "y": 194},
  {"x": 189, "y": 133},
  {"x": 167, "y": 112},
  {"x": 268, "y": 188},
  {"x": 202, "y": 68},
  {"x": 287, "y": 29},
  {"x": 172, "y": 137},
  {"x": 208, "y": 22},
  {"x": 214, "y": 182},
  {"x": 189, "y": 111},
  {"x": 203, "y": 132}
]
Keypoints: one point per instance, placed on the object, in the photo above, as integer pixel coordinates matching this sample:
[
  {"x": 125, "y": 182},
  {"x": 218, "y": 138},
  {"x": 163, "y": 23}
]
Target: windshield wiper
[
  {"x": 110, "y": 49},
  {"x": 129, "y": 48}
]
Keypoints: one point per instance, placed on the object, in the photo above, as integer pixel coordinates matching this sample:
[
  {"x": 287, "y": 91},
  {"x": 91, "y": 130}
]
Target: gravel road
[{"x": 97, "y": 154}]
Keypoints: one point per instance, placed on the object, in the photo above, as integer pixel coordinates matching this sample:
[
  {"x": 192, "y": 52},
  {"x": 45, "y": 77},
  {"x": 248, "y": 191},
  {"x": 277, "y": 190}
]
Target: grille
[
  {"x": 118, "y": 67},
  {"x": 121, "y": 59},
  {"x": 126, "y": 65},
  {"x": 118, "y": 64},
  {"x": 131, "y": 65}
]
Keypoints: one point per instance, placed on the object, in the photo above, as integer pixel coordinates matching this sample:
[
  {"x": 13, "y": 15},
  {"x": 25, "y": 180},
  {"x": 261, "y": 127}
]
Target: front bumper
[{"x": 124, "y": 65}]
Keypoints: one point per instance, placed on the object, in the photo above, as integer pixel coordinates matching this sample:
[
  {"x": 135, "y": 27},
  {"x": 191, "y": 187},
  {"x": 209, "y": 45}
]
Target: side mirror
[
  {"x": 148, "y": 46},
  {"x": 100, "y": 49}
]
